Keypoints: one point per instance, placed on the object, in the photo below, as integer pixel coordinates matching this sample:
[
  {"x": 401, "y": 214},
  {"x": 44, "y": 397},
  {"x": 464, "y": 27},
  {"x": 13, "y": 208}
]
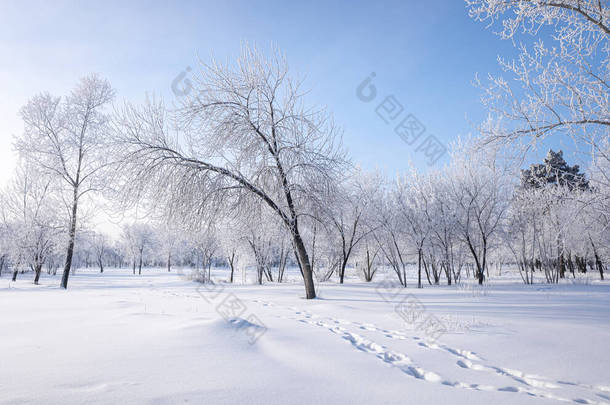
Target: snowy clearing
[{"x": 158, "y": 338}]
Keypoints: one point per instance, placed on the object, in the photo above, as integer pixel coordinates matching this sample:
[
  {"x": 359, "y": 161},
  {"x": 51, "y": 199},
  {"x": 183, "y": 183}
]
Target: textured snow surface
[{"x": 161, "y": 339}]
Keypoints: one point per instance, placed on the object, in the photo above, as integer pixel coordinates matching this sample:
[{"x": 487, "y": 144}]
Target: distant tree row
[{"x": 452, "y": 223}]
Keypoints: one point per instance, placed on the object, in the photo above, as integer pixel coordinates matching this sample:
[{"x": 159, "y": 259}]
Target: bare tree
[
  {"x": 480, "y": 190},
  {"x": 168, "y": 235},
  {"x": 65, "y": 138},
  {"x": 100, "y": 245},
  {"x": 555, "y": 89},
  {"x": 5, "y": 239},
  {"x": 139, "y": 240},
  {"x": 242, "y": 132},
  {"x": 367, "y": 258},
  {"x": 34, "y": 216},
  {"x": 390, "y": 233},
  {"x": 347, "y": 212},
  {"x": 412, "y": 199},
  {"x": 205, "y": 245},
  {"x": 230, "y": 237}
]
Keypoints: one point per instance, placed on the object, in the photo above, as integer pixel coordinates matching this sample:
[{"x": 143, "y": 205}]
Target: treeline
[{"x": 452, "y": 223}]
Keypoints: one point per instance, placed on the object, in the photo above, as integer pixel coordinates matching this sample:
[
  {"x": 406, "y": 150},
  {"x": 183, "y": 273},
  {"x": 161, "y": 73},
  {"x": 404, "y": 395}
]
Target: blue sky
[{"x": 424, "y": 53}]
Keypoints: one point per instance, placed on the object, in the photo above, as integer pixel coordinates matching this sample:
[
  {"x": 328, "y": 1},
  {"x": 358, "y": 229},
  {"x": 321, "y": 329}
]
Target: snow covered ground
[{"x": 160, "y": 338}]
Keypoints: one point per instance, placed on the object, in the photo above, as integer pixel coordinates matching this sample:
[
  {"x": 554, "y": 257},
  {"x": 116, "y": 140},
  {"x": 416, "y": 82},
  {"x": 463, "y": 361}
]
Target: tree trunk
[
  {"x": 562, "y": 266},
  {"x": 169, "y": 262},
  {"x": 598, "y": 262},
  {"x": 259, "y": 272},
  {"x": 282, "y": 264},
  {"x": 426, "y": 270},
  {"x": 419, "y": 269},
  {"x": 37, "y": 271},
  {"x": 72, "y": 234},
  {"x": 310, "y": 289},
  {"x": 140, "y": 265},
  {"x": 15, "y": 274},
  {"x": 481, "y": 274},
  {"x": 342, "y": 272}
]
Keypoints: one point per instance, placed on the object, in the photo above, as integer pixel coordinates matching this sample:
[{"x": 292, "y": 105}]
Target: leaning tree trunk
[
  {"x": 68, "y": 265},
  {"x": 305, "y": 265}
]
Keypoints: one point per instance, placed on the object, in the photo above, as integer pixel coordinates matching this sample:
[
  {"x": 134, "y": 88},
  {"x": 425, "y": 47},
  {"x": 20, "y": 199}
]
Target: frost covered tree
[
  {"x": 4, "y": 245},
  {"x": 100, "y": 244},
  {"x": 169, "y": 238},
  {"x": 412, "y": 201},
  {"x": 230, "y": 237},
  {"x": 139, "y": 240},
  {"x": 441, "y": 213},
  {"x": 480, "y": 191},
  {"x": 367, "y": 257},
  {"x": 5, "y": 238},
  {"x": 244, "y": 131},
  {"x": 554, "y": 171},
  {"x": 66, "y": 138},
  {"x": 34, "y": 219},
  {"x": 560, "y": 214},
  {"x": 558, "y": 84},
  {"x": 265, "y": 244},
  {"x": 205, "y": 245},
  {"x": 390, "y": 231},
  {"x": 347, "y": 212}
]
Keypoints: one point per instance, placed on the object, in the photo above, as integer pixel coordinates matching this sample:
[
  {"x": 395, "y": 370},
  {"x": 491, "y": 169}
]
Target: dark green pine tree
[{"x": 552, "y": 172}]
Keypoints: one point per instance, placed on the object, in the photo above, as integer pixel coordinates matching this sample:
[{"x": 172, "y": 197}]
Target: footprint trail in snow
[{"x": 529, "y": 384}]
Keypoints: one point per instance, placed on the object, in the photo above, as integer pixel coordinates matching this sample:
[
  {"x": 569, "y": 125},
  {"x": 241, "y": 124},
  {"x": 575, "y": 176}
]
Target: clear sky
[{"x": 424, "y": 53}]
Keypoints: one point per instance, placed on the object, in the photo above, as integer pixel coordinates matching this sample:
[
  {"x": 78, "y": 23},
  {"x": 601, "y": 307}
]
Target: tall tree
[
  {"x": 243, "y": 131},
  {"x": 66, "y": 138},
  {"x": 480, "y": 189},
  {"x": 347, "y": 213}
]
